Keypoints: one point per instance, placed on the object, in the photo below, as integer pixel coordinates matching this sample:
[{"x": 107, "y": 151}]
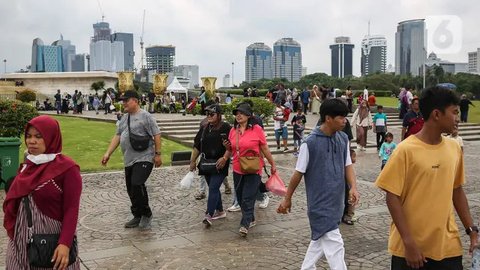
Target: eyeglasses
[{"x": 211, "y": 114}]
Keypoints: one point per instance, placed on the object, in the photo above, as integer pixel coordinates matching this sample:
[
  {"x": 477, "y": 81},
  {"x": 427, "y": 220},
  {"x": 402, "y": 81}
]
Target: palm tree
[{"x": 97, "y": 86}]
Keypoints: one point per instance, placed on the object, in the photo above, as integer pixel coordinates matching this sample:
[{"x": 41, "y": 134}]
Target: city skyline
[{"x": 214, "y": 44}]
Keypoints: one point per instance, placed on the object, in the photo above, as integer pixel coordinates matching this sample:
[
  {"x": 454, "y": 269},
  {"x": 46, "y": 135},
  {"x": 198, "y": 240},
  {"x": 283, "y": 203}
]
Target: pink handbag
[{"x": 275, "y": 185}]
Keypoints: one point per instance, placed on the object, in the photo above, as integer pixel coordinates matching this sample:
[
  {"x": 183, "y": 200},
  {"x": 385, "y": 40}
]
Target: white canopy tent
[{"x": 176, "y": 87}]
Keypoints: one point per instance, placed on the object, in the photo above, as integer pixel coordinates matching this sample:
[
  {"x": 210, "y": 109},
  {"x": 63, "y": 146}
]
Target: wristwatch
[
  {"x": 471, "y": 229},
  {"x": 158, "y": 153}
]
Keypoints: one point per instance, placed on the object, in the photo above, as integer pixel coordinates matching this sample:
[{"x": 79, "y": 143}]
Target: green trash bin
[{"x": 9, "y": 151}]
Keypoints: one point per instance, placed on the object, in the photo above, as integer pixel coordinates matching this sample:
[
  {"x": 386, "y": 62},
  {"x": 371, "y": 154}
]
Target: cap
[
  {"x": 244, "y": 108},
  {"x": 129, "y": 94},
  {"x": 214, "y": 108}
]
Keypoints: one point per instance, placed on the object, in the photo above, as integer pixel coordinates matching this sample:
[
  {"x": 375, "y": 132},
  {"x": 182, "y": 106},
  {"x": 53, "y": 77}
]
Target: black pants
[
  {"x": 380, "y": 139},
  {"x": 454, "y": 263},
  {"x": 305, "y": 108},
  {"x": 135, "y": 178},
  {"x": 350, "y": 105}
]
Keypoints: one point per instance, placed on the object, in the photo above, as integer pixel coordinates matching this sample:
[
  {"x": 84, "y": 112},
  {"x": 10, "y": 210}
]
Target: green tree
[{"x": 27, "y": 96}]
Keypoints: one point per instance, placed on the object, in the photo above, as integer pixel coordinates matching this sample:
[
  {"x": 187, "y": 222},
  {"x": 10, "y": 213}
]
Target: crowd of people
[{"x": 423, "y": 176}]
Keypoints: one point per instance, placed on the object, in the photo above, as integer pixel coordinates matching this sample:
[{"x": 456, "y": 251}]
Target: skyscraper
[
  {"x": 410, "y": 47},
  {"x": 78, "y": 64},
  {"x": 101, "y": 31},
  {"x": 258, "y": 62},
  {"x": 107, "y": 51},
  {"x": 46, "y": 58},
  {"x": 287, "y": 59},
  {"x": 374, "y": 55},
  {"x": 68, "y": 53},
  {"x": 342, "y": 57},
  {"x": 160, "y": 58},
  {"x": 128, "y": 53}
]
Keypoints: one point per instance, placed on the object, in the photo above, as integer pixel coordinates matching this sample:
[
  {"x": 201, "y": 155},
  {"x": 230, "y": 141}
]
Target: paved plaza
[{"x": 179, "y": 240}]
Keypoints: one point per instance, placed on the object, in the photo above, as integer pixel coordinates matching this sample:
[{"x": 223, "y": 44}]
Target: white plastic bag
[{"x": 187, "y": 180}]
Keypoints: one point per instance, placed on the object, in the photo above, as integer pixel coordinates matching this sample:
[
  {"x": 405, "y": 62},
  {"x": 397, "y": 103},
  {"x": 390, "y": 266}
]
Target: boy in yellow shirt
[{"x": 424, "y": 175}]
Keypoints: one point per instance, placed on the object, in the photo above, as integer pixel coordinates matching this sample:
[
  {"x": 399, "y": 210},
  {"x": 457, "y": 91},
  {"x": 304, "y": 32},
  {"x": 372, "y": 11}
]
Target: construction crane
[
  {"x": 101, "y": 10},
  {"x": 142, "y": 66}
]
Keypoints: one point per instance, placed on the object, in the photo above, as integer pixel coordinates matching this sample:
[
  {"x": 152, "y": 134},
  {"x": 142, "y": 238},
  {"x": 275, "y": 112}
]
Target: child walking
[
  {"x": 386, "y": 149},
  {"x": 298, "y": 129},
  {"x": 380, "y": 126}
]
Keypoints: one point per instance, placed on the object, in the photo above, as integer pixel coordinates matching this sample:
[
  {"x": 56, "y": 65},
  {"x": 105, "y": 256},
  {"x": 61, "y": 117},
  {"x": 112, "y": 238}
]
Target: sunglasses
[{"x": 211, "y": 114}]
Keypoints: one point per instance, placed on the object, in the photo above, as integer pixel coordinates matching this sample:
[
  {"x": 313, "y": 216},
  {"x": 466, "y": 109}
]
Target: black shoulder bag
[
  {"x": 40, "y": 247},
  {"x": 206, "y": 166},
  {"x": 138, "y": 143}
]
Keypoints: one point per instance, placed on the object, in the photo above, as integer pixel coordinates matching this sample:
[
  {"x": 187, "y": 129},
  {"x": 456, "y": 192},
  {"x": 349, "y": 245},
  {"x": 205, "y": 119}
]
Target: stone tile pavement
[{"x": 179, "y": 240}]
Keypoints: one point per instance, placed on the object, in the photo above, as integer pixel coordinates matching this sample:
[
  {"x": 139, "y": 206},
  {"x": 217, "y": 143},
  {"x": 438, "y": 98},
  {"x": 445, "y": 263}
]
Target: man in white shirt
[{"x": 365, "y": 93}]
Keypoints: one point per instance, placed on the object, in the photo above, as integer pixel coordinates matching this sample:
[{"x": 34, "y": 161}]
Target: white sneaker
[
  {"x": 264, "y": 203},
  {"x": 234, "y": 208}
]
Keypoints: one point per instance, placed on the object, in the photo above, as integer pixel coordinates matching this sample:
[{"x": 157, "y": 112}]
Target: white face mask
[{"x": 42, "y": 158}]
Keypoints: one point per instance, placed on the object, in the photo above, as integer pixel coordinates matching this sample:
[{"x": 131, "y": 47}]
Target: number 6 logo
[{"x": 444, "y": 34}]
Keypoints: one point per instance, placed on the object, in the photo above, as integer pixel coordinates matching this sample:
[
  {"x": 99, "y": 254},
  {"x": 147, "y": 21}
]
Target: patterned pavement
[{"x": 179, "y": 240}]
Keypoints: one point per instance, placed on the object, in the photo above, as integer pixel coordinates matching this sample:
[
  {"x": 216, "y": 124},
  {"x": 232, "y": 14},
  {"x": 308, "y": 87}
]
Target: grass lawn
[
  {"x": 86, "y": 142},
  {"x": 473, "y": 113}
]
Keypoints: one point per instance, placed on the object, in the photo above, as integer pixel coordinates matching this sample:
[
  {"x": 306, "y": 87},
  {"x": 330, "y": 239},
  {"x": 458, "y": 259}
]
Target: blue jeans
[
  {"x": 214, "y": 201},
  {"x": 246, "y": 188}
]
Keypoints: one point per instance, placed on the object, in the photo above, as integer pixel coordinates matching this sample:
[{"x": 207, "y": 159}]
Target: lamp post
[
  {"x": 233, "y": 70},
  {"x": 5, "y": 66}
]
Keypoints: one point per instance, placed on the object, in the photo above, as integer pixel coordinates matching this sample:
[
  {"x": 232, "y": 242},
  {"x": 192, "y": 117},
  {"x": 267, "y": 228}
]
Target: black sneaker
[
  {"x": 145, "y": 222},
  {"x": 133, "y": 223}
]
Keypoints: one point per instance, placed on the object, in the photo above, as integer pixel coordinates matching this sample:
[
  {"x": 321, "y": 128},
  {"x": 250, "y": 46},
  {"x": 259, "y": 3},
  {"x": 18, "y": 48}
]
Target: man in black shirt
[
  {"x": 464, "y": 106},
  {"x": 58, "y": 101}
]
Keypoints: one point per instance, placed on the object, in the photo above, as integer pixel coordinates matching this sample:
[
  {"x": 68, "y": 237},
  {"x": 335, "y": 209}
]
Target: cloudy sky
[{"x": 215, "y": 33}]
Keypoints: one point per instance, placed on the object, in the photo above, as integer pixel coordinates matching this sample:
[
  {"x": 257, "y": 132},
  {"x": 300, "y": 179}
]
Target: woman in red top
[
  {"x": 250, "y": 138},
  {"x": 52, "y": 184}
]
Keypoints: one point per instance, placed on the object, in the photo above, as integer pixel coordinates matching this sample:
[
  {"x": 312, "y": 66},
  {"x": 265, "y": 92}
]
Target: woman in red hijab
[{"x": 52, "y": 184}]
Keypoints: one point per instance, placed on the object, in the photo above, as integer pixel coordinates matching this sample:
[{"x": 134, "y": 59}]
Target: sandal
[{"x": 347, "y": 221}]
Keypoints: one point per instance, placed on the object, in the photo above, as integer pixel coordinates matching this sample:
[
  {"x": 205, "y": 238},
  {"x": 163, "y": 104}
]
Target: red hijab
[{"x": 30, "y": 175}]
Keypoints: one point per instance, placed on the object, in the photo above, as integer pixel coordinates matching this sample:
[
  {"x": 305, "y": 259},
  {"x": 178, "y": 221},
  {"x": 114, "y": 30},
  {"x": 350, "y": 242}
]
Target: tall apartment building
[
  {"x": 342, "y": 57},
  {"x": 287, "y": 59},
  {"x": 258, "y": 62},
  {"x": 410, "y": 47},
  {"x": 374, "y": 55}
]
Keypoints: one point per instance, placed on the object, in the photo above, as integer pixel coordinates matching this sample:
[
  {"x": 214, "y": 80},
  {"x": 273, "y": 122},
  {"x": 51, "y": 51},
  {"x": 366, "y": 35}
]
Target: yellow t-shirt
[{"x": 424, "y": 177}]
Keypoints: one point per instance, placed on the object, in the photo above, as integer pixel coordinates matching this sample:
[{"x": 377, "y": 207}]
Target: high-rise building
[
  {"x": 128, "y": 53},
  {"x": 190, "y": 72},
  {"x": 374, "y": 55},
  {"x": 160, "y": 59},
  {"x": 258, "y": 62},
  {"x": 410, "y": 47},
  {"x": 68, "y": 53},
  {"x": 226, "y": 80},
  {"x": 101, "y": 31},
  {"x": 107, "y": 51},
  {"x": 78, "y": 63},
  {"x": 342, "y": 57},
  {"x": 474, "y": 62},
  {"x": 106, "y": 55},
  {"x": 287, "y": 59},
  {"x": 46, "y": 58}
]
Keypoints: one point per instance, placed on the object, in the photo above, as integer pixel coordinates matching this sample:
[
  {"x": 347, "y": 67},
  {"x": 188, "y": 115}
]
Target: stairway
[{"x": 184, "y": 132}]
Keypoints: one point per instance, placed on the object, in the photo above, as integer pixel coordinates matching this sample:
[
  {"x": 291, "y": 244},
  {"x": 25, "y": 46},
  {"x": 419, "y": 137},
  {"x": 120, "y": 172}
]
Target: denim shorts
[{"x": 283, "y": 132}]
